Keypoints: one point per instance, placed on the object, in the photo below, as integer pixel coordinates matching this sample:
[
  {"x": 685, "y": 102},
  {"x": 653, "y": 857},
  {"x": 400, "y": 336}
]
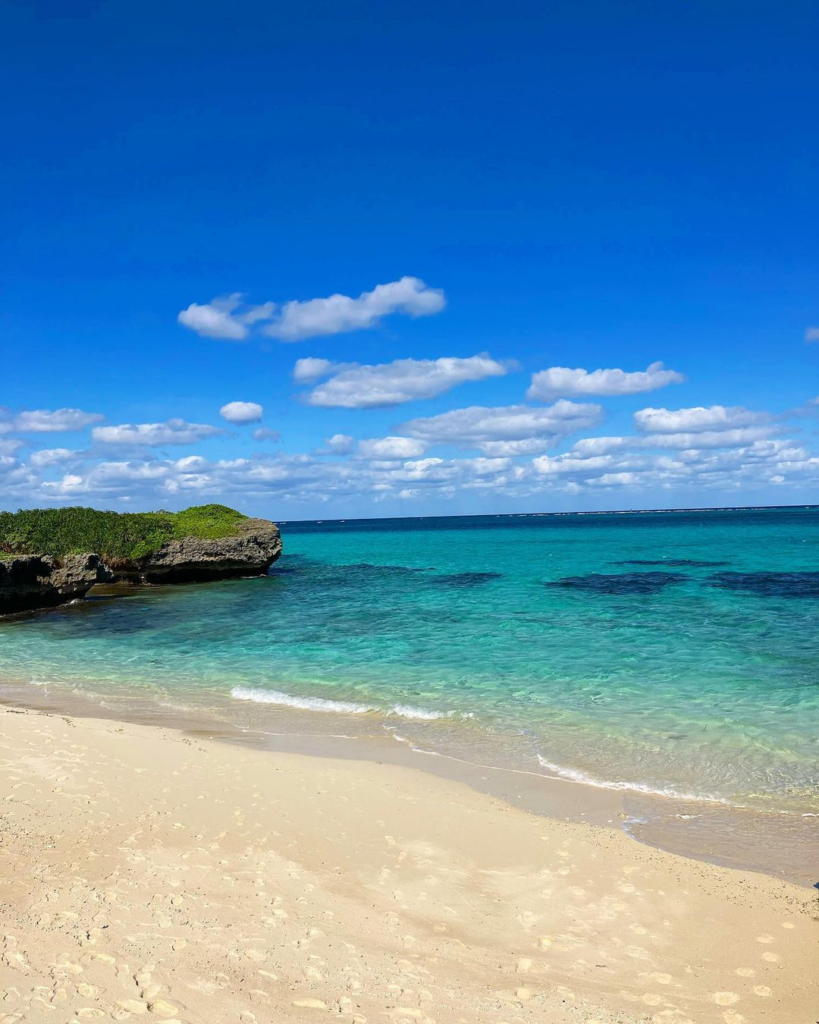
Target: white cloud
[
  {"x": 285, "y": 479},
  {"x": 266, "y": 434},
  {"x": 174, "y": 431},
  {"x": 224, "y": 318},
  {"x": 562, "y": 381},
  {"x": 485, "y": 467},
  {"x": 338, "y": 314},
  {"x": 340, "y": 444},
  {"x": 310, "y": 369},
  {"x": 391, "y": 448},
  {"x": 629, "y": 462},
  {"x": 550, "y": 465},
  {"x": 45, "y": 421},
  {"x": 616, "y": 480},
  {"x": 734, "y": 438},
  {"x": 587, "y": 447},
  {"x": 388, "y": 384},
  {"x": 715, "y": 417},
  {"x": 241, "y": 412},
  {"x": 9, "y": 445},
  {"x": 528, "y": 446},
  {"x": 812, "y": 334},
  {"x": 52, "y": 456},
  {"x": 220, "y": 319},
  {"x": 479, "y": 426}
]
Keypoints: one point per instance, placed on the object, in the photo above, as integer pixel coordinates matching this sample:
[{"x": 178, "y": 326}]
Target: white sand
[{"x": 144, "y": 873}]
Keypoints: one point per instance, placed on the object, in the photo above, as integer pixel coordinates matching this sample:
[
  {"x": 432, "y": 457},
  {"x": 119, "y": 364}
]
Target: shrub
[{"x": 117, "y": 536}]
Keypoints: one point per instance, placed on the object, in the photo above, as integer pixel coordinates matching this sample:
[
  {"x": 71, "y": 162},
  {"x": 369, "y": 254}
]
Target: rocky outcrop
[
  {"x": 39, "y": 581},
  {"x": 249, "y": 552},
  {"x": 28, "y": 582}
]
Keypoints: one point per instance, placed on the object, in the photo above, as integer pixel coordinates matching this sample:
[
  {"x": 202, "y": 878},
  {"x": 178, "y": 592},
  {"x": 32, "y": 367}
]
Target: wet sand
[{"x": 151, "y": 872}]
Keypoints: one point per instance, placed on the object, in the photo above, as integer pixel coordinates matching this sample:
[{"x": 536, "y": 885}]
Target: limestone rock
[
  {"x": 249, "y": 552},
  {"x": 40, "y": 581}
]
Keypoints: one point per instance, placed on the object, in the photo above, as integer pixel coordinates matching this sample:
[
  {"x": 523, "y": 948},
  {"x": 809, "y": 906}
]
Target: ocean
[{"x": 670, "y": 653}]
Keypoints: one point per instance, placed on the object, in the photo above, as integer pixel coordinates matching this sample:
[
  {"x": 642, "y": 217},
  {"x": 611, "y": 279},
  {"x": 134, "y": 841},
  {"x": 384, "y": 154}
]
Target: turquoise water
[{"x": 550, "y": 643}]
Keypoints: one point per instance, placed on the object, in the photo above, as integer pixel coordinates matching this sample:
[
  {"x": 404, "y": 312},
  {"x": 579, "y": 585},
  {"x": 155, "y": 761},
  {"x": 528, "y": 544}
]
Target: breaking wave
[{"x": 338, "y": 707}]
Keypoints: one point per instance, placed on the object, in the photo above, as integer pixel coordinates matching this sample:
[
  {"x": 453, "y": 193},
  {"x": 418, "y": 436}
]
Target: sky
[{"x": 326, "y": 260}]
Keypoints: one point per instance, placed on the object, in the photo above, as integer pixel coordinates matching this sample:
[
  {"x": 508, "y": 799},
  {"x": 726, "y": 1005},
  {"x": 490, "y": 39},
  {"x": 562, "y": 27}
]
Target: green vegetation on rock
[{"x": 117, "y": 536}]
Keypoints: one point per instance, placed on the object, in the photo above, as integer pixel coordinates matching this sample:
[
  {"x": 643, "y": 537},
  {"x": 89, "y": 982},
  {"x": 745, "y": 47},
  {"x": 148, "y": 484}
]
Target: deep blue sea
[{"x": 658, "y": 652}]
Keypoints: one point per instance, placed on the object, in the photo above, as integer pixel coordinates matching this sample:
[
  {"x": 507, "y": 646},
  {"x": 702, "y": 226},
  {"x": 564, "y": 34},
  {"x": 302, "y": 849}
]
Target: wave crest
[
  {"x": 338, "y": 707},
  {"x": 572, "y": 775}
]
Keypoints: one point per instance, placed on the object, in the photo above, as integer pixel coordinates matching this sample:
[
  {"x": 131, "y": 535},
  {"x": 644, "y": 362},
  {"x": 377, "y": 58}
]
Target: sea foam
[
  {"x": 572, "y": 775},
  {"x": 338, "y": 707}
]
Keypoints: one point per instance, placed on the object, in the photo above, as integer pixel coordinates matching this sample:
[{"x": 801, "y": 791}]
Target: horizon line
[{"x": 595, "y": 512}]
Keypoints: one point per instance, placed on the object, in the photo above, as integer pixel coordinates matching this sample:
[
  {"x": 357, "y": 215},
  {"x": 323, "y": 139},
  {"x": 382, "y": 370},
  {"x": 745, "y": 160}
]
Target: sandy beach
[{"x": 146, "y": 872}]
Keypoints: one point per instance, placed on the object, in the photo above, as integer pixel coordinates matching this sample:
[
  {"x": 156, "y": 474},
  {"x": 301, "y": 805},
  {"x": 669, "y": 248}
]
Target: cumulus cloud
[
  {"x": 221, "y": 319},
  {"x": 812, "y": 334},
  {"x": 721, "y": 463},
  {"x": 733, "y": 438},
  {"x": 386, "y": 471},
  {"x": 225, "y": 317},
  {"x": 562, "y": 381},
  {"x": 479, "y": 426},
  {"x": 567, "y": 463},
  {"x": 715, "y": 417},
  {"x": 285, "y": 477},
  {"x": 241, "y": 412},
  {"x": 391, "y": 448},
  {"x": 340, "y": 444},
  {"x": 527, "y": 446},
  {"x": 310, "y": 369},
  {"x": 338, "y": 314},
  {"x": 388, "y": 384},
  {"x": 52, "y": 456},
  {"x": 174, "y": 431},
  {"x": 45, "y": 421}
]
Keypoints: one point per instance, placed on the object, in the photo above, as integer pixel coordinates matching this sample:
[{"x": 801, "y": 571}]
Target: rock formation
[
  {"x": 40, "y": 581},
  {"x": 249, "y": 552},
  {"x": 30, "y": 581}
]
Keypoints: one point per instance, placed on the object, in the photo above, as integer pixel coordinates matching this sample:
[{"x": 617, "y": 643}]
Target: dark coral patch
[
  {"x": 769, "y": 584},
  {"x": 621, "y": 583}
]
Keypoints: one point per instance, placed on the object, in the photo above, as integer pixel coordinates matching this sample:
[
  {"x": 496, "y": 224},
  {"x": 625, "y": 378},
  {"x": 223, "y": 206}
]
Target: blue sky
[{"x": 533, "y": 186}]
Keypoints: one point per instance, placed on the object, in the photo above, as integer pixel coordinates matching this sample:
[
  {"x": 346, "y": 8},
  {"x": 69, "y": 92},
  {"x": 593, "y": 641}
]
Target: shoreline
[
  {"x": 218, "y": 881},
  {"x": 724, "y": 835}
]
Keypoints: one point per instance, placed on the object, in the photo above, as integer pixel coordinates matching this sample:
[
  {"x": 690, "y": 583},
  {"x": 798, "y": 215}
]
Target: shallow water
[{"x": 673, "y": 653}]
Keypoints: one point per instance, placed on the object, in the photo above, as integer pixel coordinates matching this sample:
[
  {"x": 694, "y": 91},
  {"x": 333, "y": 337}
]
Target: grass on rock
[{"x": 117, "y": 536}]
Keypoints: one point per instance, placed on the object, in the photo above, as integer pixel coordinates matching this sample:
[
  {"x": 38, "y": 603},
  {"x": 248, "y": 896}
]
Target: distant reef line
[{"x": 51, "y": 556}]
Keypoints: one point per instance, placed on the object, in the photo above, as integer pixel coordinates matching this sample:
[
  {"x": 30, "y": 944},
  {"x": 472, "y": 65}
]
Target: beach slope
[{"x": 146, "y": 873}]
